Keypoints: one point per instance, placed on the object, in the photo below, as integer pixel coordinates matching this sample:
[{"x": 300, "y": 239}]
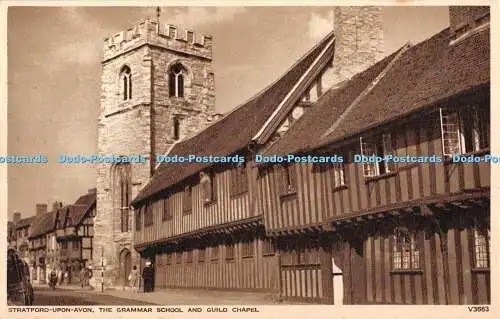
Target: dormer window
[
  {"x": 126, "y": 83},
  {"x": 176, "y": 80}
]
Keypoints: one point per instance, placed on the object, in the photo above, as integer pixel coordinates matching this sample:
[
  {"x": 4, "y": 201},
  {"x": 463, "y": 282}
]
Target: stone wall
[{"x": 142, "y": 126}]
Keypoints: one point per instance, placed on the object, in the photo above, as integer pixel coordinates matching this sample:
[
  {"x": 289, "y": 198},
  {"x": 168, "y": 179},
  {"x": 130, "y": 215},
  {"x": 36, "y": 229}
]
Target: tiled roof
[
  {"x": 46, "y": 222},
  {"x": 233, "y": 132},
  {"x": 319, "y": 117},
  {"x": 428, "y": 72},
  {"x": 25, "y": 222},
  {"x": 87, "y": 201},
  {"x": 43, "y": 224}
]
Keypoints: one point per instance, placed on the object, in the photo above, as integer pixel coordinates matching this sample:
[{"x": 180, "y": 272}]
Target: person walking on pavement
[
  {"x": 84, "y": 277},
  {"x": 147, "y": 275},
  {"x": 133, "y": 278}
]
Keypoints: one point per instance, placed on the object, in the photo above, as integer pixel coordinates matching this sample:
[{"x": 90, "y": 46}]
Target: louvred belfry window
[
  {"x": 465, "y": 129},
  {"x": 176, "y": 80}
]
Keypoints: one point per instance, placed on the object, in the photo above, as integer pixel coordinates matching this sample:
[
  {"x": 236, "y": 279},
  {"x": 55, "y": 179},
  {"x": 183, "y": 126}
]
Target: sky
[{"x": 54, "y": 73}]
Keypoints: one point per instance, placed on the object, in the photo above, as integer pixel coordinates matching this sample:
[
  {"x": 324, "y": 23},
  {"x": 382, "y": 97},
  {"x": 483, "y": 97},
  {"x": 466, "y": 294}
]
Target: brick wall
[{"x": 359, "y": 42}]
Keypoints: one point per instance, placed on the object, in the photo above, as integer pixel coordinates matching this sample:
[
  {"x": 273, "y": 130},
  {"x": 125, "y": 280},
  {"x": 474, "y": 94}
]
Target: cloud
[
  {"x": 320, "y": 26},
  {"x": 195, "y": 16},
  {"x": 78, "y": 18},
  {"x": 82, "y": 52}
]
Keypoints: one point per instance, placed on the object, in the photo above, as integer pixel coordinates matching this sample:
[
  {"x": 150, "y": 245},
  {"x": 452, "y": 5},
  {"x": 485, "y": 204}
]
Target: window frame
[
  {"x": 268, "y": 246},
  {"x": 214, "y": 253},
  {"x": 177, "y": 81},
  {"x": 477, "y": 134},
  {"x": 287, "y": 174},
  {"x": 247, "y": 248},
  {"x": 230, "y": 251},
  {"x": 187, "y": 200},
  {"x": 379, "y": 145},
  {"x": 126, "y": 83},
  {"x": 239, "y": 179},
  {"x": 201, "y": 254},
  {"x": 148, "y": 215},
  {"x": 167, "y": 213},
  {"x": 406, "y": 244},
  {"x": 481, "y": 257}
]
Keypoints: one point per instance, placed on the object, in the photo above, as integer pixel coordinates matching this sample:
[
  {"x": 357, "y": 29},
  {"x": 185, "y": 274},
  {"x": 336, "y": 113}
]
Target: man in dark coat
[{"x": 148, "y": 277}]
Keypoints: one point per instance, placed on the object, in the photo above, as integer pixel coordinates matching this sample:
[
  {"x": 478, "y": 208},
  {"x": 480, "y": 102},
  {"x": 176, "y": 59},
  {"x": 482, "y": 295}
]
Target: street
[{"x": 45, "y": 296}]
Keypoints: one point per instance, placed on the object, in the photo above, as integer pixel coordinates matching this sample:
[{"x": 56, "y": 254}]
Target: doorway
[
  {"x": 338, "y": 283},
  {"x": 125, "y": 265}
]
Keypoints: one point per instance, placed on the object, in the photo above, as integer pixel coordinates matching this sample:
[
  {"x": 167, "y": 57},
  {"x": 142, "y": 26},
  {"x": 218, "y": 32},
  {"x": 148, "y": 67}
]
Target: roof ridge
[
  {"x": 261, "y": 92},
  {"x": 303, "y": 78},
  {"x": 365, "y": 92}
]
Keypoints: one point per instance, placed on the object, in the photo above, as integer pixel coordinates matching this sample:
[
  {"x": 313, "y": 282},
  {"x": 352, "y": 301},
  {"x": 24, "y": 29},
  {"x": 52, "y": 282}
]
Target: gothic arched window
[
  {"x": 176, "y": 77},
  {"x": 126, "y": 82},
  {"x": 122, "y": 190}
]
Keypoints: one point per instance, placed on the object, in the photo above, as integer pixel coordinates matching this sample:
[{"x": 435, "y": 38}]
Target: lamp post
[{"x": 102, "y": 268}]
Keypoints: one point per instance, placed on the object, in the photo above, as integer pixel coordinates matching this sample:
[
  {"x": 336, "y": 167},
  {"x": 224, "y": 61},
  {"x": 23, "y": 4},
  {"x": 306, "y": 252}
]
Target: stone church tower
[
  {"x": 359, "y": 41},
  {"x": 157, "y": 88}
]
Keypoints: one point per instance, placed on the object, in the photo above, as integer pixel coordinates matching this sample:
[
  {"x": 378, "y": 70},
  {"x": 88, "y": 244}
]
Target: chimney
[
  {"x": 92, "y": 190},
  {"x": 16, "y": 217},
  {"x": 359, "y": 42},
  {"x": 41, "y": 209},
  {"x": 464, "y": 20},
  {"x": 56, "y": 205}
]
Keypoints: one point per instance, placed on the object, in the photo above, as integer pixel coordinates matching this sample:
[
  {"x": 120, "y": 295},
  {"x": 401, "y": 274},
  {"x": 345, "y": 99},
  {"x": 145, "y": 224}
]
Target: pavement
[{"x": 171, "y": 296}]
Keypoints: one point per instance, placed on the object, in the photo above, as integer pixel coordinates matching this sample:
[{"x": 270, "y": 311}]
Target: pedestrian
[
  {"x": 60, "y": 275},
  {"x": 84, "y": 275},
  {"x": 133, "y": 278},
  {"x": 147, "y": 276}
]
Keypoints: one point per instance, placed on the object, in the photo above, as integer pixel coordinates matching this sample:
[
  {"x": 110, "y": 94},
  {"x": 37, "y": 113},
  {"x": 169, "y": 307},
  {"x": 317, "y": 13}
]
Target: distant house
[
  {"x": 74, "y": 233},
  {"x": 63, "y": 237}
]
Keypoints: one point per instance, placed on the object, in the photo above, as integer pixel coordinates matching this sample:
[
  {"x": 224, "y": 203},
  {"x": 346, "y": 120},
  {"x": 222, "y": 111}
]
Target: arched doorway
[{"x": 125, "y": 265}]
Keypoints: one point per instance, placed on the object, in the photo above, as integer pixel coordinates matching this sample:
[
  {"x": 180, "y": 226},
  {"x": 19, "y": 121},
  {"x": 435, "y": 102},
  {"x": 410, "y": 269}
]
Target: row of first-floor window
[
  {"x": 213, "y": 253},
  {"x": 462, "y": 130}
]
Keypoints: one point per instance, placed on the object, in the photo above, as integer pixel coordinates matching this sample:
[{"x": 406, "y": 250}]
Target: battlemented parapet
[{"x": 166, "y": 36}]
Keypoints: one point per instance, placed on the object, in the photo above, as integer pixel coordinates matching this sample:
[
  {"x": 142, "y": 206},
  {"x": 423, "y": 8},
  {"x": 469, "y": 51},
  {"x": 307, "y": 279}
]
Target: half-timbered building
[
  {"x": 414, "y": 232},
  {"x": 74, "y": 234},
  {"x": 42, "y": 246},
  {"x": 200, "y": 223}
]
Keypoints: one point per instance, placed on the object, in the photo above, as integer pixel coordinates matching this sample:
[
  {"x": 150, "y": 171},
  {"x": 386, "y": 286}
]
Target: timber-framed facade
[{"x": 347, "y": 232}]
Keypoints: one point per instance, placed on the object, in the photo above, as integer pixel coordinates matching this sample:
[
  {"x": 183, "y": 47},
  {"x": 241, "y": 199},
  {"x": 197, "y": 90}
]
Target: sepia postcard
[{"x": 244, "y": 159}]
